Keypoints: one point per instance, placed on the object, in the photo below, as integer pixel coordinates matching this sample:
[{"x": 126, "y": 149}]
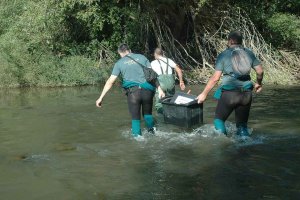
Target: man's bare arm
[
  {"x": 180, "y": 76},
  {"x": 259, "y": 77},
  {"x": 109, "y": 83},
  {"x": 209, "y": 86}
]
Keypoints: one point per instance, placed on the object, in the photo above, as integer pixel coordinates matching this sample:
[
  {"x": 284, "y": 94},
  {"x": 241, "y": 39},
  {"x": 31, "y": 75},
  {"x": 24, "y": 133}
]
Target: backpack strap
[
  {"x": 167, "y": 69},
  {"x": 136, "y": 61},
  {"x": 162, "y": 72}
]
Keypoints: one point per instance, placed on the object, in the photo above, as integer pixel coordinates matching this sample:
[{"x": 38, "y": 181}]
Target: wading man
[
  {"x": 164, "y": 67},
  {"x": 235, "y": 92},
  {"x": 139, "y": 92}
]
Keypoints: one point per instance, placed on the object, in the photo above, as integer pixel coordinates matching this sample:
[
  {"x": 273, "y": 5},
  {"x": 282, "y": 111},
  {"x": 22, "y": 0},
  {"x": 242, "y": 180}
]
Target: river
[{"x": 55, "y": 144}]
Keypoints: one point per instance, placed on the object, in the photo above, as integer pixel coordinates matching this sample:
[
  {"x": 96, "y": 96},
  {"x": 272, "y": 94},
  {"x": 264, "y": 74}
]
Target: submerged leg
[
  {"x": 149, "y": 121},
  {"x": 225, "y": 106},
  {"x": 242, "y": 129},
  {"x": 220, "y": 126},
  {"x": 147, "y": 103},
  {"x": 136, "y": 127},
  {"x": 134, "y": 106},
  {"x": 242, "y": 113}
]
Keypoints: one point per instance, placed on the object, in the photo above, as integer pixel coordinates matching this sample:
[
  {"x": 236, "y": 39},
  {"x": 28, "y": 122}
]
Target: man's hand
[
  {"x": 209, "y": 86},
  {"x": 257, "y": 88},
  {"x": 161, "y": 93},
  {"x": 201, "y": 98},
  {"x": 109, "y": 83},
  {"x": 99, "y": 102},
  {"x": 259, "y": 77},
  {"x": 182, "y": 86}
]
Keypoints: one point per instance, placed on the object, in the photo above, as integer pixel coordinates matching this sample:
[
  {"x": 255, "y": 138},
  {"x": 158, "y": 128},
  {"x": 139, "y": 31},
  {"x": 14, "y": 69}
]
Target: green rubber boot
[
  {"x": 136, "y": 128},
  {"x": 220, "y": 126},
  {"x": 149, "y": 123}
]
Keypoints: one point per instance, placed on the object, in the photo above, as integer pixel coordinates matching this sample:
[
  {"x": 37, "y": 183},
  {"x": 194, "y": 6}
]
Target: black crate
[{"x": 182, "y": 115}]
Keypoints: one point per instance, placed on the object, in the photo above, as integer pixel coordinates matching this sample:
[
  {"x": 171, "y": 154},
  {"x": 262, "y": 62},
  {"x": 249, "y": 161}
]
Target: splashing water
[{"x": 205, "y": 132}]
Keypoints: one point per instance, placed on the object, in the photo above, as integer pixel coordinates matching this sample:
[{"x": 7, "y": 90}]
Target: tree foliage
[
  {"x": 286, "y": 30},
  {"x": 269, "y": 18},
  {"x": 73, "y": 42}
]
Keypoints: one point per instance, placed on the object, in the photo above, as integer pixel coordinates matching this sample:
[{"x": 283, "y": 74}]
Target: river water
[{"x": 55, "y": 144}]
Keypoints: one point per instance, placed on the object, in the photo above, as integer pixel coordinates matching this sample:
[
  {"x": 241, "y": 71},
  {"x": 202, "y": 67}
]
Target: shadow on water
[{"x": 54, "y": 144}]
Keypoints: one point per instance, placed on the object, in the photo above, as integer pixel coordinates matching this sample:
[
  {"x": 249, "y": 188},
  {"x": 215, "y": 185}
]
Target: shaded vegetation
[
  {"x": 277, "y": 20},
  {"x": 73, "y": 42}
]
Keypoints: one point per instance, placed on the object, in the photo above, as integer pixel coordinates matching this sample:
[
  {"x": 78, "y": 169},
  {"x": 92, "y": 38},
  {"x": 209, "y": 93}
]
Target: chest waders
[
  {"x": 166, "y": 81},
  {"x": 167, "y": 84},
  {"x": 139, "y": 100},
  {"x": 232, "y": 98}
]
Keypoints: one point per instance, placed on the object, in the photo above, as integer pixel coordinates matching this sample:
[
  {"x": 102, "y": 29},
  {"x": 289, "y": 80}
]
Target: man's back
[
  {"x": 224, "y": 64},
  {"x": 130, "y": 69},
  {"x": 163, "y": 65}
]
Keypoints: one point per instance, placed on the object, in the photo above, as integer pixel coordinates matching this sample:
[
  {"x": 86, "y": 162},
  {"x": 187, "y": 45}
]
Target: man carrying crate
[
  {"x": 164, "y": 66},
  {"x": 139, "y": 92},
  {"x": 235, "y": 93}
]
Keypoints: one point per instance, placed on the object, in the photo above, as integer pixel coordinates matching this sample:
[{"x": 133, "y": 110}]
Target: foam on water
[
  {"x": 37, "y": 158},
  {"x": 241, "y": 141},
  {"x": 206, "y": 132}
]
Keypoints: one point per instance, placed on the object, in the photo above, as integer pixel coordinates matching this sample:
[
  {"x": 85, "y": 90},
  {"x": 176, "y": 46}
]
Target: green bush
[
  {"x": 29, "y": 54},
  {"x": 286, "y": 28},
  {"x": 77, "y": 70},
  {"x": 9, "y": 13},
  {"x": 8, "y": 72}
]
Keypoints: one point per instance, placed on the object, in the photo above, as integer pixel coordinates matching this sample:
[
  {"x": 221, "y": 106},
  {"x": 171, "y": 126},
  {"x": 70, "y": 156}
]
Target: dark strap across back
[
  {"x": 166, "y": 72},
  {"x": 135, "y": 61}
]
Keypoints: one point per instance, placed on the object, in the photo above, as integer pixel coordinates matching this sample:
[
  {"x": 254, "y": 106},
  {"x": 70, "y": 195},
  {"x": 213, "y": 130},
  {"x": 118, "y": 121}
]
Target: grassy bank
[{"x": 49, "y": 71}]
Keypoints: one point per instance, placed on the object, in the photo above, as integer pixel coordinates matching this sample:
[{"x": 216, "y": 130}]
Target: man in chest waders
[
  {"x": 139, "y": 92},
  {"x": 164, "y": 67},
  {"x": 235, "y": 92}
]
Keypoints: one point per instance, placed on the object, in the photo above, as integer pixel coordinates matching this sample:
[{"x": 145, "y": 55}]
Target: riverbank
[
  {"x": 50, "y": 71},
  {"x": 85, "y": 72},
  {"x": 272, "y": 76}
]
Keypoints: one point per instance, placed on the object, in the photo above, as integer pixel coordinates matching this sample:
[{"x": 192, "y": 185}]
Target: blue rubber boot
[
  {"x": 136, "y": 127},
  {"x": 149, "y": 123},
  {"x": 242, "y": 129},
  {"x": 220, "y": 126}
]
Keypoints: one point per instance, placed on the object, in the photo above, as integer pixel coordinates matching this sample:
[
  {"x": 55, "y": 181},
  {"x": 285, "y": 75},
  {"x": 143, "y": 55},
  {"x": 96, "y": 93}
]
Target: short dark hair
[
  {"x": 159, "y": 51},
  {"x": 236, "y": 36},
  {"x": 123, "y": 48}
]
